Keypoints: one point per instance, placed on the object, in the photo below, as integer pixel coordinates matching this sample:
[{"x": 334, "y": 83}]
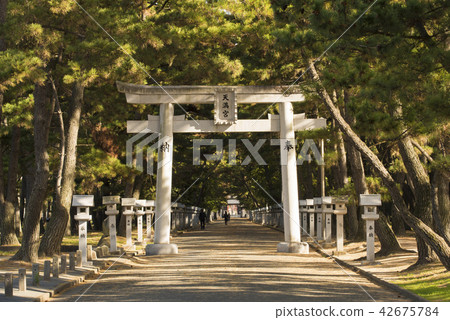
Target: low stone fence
[
  {"x": 184, "y": 218},
  {"x": 267, "y": 216}
]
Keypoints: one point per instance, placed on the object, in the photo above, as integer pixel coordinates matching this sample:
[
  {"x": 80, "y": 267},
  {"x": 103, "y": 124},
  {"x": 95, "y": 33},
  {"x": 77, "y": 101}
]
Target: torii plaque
[{"x": 225, "y": 98}]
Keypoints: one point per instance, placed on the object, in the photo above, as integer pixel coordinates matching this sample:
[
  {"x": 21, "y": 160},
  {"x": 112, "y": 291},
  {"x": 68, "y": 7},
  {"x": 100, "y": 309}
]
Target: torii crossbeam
[{"x": 225, "y": 99}]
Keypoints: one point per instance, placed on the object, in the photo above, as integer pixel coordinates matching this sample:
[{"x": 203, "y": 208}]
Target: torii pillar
[
  {"x": 291, "y": 213},
  {"x": 162, "y": 243}
]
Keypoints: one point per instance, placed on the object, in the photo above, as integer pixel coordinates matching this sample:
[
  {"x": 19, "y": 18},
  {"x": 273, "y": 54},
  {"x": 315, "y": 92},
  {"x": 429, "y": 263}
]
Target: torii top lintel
[{"x": 144, "y": 94}]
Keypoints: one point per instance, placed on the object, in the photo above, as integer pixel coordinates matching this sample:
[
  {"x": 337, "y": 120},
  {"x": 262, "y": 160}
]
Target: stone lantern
[
  {"x": 83, "y": 203},
  {"x": 139, "y": 212},
  {"x": 149, "y": 209},
  {"x": 318, "y": 211},
  {"x": 370, "y": 203},
  {"x": 310, "y": 208},
  {"x": 328, "y": 210},
  {"x": 304, "y": 212},
  {"x": 128, "y": 211},
  {"x": 111, "y": 203},
  {"x": 340, "y": 209}
]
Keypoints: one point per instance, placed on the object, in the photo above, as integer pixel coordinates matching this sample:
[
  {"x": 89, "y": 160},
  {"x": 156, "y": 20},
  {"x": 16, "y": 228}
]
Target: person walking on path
[
  {"x": 202, "y": 218},
  {"x": 226, "y": 217}
]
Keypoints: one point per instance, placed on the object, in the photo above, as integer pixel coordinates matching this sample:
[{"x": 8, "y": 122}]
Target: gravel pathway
[{"x": 237, "y": 262}]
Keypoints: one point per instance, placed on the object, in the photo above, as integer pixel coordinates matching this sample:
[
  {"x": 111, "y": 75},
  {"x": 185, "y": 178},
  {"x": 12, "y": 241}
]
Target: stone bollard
[
  {"x": 63, "y": 263},
  {"x": 319, "y": 212},
  {"x": 47, "y": 269},
  {"x": 105, "y": 250},
  {"x": 94, "y": 255},
  {"x": 72, "y": 261},
  {"x": 149, "y": 206},
  {"x": 327, "y": 209},
  {"x": 310, "y": 204},
  {"x": 55, "y": 266},
  {"x": 82, "y": 203},
  {"x": 128, "y": 212},
  {"x": 22, "y": 279},
  {"x": 89, "y": 252},
  {"x": 9, "y": 285},
  {"x": 370, "y": 203},
  {"x": 111, "y": 211},
  {"x": 140, "y": 212},
  {"x": 79, "y": 256},
  {"x": 99, "y": 252},
  {"x": 35, "y": 274},
  {"x": 304, "y": 220}
]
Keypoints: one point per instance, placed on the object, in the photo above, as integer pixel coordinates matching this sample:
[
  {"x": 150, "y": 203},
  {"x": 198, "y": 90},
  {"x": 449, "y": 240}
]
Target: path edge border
[{"x": 369, "y": 276}]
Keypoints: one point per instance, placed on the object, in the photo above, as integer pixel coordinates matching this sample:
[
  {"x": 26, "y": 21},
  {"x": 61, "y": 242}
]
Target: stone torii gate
[{"x": 225, "y": 100}]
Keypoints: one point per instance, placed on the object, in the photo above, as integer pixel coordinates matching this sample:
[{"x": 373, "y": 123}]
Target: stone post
[
  {"x": 9, "y": 291},
  {"x": 72, "y": 261},
  {"x": 370, "y": 203},
  {"x": 310, "y": 205},
  {"x": 35, "y": 274},
  {"x": 83, "y": 203},
  {"x": 149, "y": 207},
  {"x": 290, "y": 183},
  {"x": 327, "y": 209},
  {"x": 140, "y": 212},
  {"x": 55, "y": 269},
  {"x": 111, "y": 211},
  {"x": 47, "y": 269},
  {"x": 63, "y": 263},
  {"x": 79, "y": 256},
  {"x": 162, "y": 243},
  {"x": 304, "y": 212},
  {"x": 22, "y": 279},
  {"x": 128, "y": 211},
  {"x": 318, "y": 211},
  {"x": 340, "y": 210}
]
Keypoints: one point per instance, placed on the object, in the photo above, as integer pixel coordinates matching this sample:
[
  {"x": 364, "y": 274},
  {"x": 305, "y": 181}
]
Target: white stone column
[
  {"x": 82, "y": 203},
  {"x": 164, "y": 185},
  {"x": 128, "y": 212},
  {"x": 290, "y": 184},
  {"x": 83, "y": 218},
  {"x": 149, "y": 205},
  {"x": 327, "y": 209},
  {"x": 284, "y": 200},
  {"x": 310, "y": 205},
  {"x": 304, "y": 212},
  {"x": 140, "y": 212},
  {"x": 340, "y": 210},
  {"x": 318, "y": 211},
  {"x": 370, "y": 203},
  {"x": 111, "y": 211}
]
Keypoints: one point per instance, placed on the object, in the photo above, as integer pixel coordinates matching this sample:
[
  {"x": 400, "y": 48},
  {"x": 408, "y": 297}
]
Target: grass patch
[
  {"x": 433, "y": 285},
  {"x": 6, "y": 253},
  {"x": 92, "y": 239}
]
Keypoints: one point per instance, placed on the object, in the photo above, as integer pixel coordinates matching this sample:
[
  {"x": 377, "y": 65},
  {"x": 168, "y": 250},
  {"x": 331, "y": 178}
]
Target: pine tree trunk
[
  {"x": 422, "y": 194},
  {"x": 43, "y": 111},
  {"x": 443, "y": 196},
  {"x": 8, "y": 229},
  {"x": 387, "y": 238},
  {"x": 342, "y": 160},
  {"x": 2, "y": 184},
  {"x": 56, "y": 228},
  {"x": 359, "y": 182},
  {"x": 398, "y": 226},
  {"x": 3, "y": 5},
  {"x": 422, "y": 231}
]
